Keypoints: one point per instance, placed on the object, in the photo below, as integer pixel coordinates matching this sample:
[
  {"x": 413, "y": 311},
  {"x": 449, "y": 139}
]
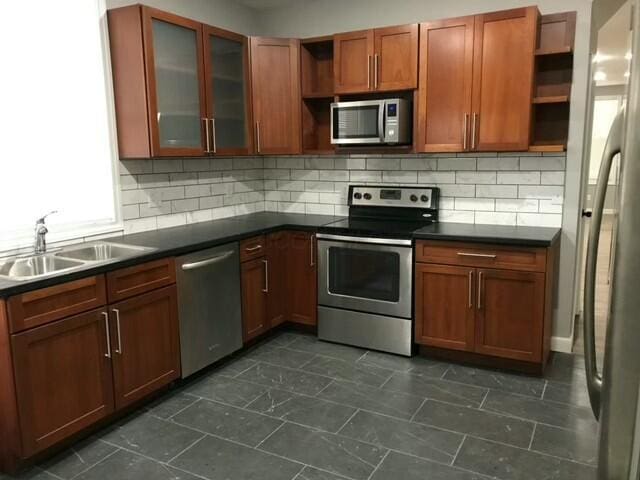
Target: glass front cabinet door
[{"x": 227, "y": 92}]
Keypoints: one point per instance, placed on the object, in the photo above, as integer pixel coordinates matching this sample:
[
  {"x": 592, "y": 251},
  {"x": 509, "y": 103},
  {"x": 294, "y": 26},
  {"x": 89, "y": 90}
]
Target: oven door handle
[{"x": 376, "y": 241}]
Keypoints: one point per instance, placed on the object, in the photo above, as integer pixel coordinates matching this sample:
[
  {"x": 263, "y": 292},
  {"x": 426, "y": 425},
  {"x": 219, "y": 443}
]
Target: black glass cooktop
[{"x": 374, "y": 228}]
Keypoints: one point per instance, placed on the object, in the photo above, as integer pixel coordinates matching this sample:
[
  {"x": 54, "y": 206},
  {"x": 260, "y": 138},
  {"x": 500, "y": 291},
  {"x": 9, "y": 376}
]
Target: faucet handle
[{"x": 42, "y": 219}]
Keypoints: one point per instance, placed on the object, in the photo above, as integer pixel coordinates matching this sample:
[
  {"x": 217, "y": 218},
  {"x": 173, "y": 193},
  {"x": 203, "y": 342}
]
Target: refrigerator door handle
[{"x": 612, "y": 147}]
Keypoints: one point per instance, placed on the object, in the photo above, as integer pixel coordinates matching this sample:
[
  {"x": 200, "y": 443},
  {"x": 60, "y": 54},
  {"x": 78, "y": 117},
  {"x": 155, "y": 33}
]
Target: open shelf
[
  {"x": 551, "y": 99},
  {"x": 316, "y": 126},
  {"x": 552, "y": 82},
  {"x": 316, "y": 65}
]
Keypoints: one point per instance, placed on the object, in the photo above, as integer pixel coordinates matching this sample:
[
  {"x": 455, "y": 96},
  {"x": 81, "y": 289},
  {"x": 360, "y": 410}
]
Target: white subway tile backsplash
[
  {"x": 519, "y": 178},
  {"x": 475, "y": 177},
  {"x": 542, "y": 163},
  {"x": 457, "y": 163},
  {"x": 506, "y": 188},
  {"x": 539, "y": 219},
  {"x": 496, "y": 218},
  {"x": 486, "y": 204},
  {"x": 436, "y": 177},
  {"x": 383, "y": 163},
  {"x": 496, "y": 191}
]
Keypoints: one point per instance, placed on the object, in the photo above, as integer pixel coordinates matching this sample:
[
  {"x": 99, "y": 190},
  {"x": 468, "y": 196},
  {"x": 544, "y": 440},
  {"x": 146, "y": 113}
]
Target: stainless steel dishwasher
[{"x": 210, "y": 306}]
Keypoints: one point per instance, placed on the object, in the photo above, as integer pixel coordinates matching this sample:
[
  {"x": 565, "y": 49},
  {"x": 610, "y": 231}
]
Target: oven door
[
  {"x": 357, "y": 122},
  {"x": 367, "y": 275}
]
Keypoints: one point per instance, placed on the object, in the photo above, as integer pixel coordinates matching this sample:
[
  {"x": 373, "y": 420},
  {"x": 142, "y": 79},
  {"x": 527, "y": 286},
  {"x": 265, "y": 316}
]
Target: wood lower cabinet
[
  {"x": 275, "y": 74},
  {"x": 253, "y": 274},
  {"x": 145, "y": 344},
  {"x": 503, "y": 312},
  {"x": 510, "y": 314},
  {"x": 303, "y": 281},
  {"x": 444, "y": 312},
  {"x": 63, "y": 378},
  {"x": 277, "y": 252}
]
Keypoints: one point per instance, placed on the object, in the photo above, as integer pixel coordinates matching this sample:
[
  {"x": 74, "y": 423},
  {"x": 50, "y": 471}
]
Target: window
[{"x": 57, "y": 141}]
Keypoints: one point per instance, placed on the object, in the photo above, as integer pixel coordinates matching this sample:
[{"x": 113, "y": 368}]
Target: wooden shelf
[
  {"x": 554, "y": 51},
  {"x": 551, "y": 99},
  {"x": 548, "y": 148}
]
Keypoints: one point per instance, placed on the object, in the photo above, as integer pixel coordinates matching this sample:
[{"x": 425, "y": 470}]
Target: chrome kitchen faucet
[{"x": 40, "y": 244}]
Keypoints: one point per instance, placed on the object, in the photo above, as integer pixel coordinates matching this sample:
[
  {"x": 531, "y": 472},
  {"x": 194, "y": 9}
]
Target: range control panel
[{"x": 389, "y": 196}]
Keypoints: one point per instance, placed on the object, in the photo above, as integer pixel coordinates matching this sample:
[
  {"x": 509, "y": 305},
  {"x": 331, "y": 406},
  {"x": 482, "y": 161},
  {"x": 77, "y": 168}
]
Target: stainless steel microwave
[{"x": 385, "y": 121}]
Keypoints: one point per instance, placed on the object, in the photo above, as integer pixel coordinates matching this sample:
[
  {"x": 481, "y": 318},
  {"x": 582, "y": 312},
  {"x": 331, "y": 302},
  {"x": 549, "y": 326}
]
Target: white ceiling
[
  {"x": 266, "y": 4},
  {"x": 613, "y": 44}
]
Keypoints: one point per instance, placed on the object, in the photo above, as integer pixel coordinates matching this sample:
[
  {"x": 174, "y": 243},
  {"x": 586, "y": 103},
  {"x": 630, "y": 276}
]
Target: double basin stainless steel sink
[{"x": 66, "y": 260}]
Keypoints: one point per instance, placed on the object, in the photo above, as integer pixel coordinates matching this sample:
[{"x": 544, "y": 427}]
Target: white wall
[{"x": 226, "y": 14}]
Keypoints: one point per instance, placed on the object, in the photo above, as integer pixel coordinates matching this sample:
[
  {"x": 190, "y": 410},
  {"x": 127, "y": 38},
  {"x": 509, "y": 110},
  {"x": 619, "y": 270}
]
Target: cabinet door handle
[
  {"x": 266, "y": 276},
  {"x": 480, "y": 255},
  {"x": 369, "y": 71},
  {"x": 375, "y": 71},
  {"x": 119, "y": 349},
  {"x": 470, "y": 288},
  {"x": 474, "y": 124},
  {"x": 313, "y": 261},
  {"x": 106, "y": 327},
  {"x": 465, "y": 131},
  {"x": 213, "y": 135},
  {"x": 258, "y": 136},
  {"x": 480, "y": 278},
  {"x": 253, "y": 249},
  {"x": 206, "y": 134}
]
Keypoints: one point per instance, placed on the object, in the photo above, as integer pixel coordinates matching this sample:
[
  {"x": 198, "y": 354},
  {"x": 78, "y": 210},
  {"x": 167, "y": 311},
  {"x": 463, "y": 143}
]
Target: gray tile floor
[{"x": 297, "y": 408}]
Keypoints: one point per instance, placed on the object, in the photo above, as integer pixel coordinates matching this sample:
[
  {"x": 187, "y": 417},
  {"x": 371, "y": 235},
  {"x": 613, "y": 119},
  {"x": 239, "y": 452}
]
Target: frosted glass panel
[
  {"x": 229, "y": 102},
  {"x": 178, "y": 99}
]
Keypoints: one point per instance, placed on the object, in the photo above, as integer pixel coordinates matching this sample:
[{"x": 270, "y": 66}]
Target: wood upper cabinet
[
  {"x": 476, "y": 82},
  {"x": 504, "y": 48},
  {"x": 510, "y": 314},
  {"x": 444, "y": 313},
  {"x": 383, "y": 59},
  {"x": 181, "y": 88},
  {"x": 63, "y": 379},
  {"x": 145, "y": 343},
  {"x": 446, "y": 68},
  {"x": 277, "y": 297},
  {"x": 254, "y": 297},
  {"x": 302, "y": 276},
  {"x": 275, "y": 78},
  {"x": 228, "y": 92},
  {"x": 352, "y": 57},
  {"x": 395, "y": 58}
]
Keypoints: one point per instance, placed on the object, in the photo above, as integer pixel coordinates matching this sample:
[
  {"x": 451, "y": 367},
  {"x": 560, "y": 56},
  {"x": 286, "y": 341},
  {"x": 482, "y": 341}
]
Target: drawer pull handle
[
  {"x": 480, "y": 255},
  {"x": 106, "y": 328},
  {"x": 253, "y": 249}
]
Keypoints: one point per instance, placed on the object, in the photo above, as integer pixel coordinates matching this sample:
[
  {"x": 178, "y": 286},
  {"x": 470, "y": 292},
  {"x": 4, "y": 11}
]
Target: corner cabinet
[
  {"x": 381, "y": 60},
  {"x": 173, "y": 78},
  {"x": 492, "y": 300},
  {"x": 476, "y": 82},
  {"x": 275, "y": 74}
]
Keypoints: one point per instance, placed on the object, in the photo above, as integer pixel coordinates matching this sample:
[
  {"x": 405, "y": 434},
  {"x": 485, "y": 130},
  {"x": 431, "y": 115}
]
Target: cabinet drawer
[
  {"x": 252, "y": 248},
  {"x": 46, "y": 305},
  {"x": 484, "y": 256},
  {"x": 139, "y": 279}
]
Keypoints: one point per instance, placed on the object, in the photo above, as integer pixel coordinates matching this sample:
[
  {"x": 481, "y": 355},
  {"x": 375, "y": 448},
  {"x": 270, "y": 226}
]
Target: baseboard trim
[{"x": 562, "y": 344}]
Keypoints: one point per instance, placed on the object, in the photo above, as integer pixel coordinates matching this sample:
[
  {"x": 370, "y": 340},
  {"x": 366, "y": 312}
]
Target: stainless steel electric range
[{"x": 365, "y": 267}]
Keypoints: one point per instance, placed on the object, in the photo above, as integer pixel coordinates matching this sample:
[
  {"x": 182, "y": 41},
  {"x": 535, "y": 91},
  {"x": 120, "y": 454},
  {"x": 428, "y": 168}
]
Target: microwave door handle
[
  {"x": 611, "y": 149},
  {"x": 381, "y": 112}
]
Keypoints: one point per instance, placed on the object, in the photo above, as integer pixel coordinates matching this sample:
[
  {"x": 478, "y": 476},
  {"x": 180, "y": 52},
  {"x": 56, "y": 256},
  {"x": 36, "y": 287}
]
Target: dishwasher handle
[{"x": 208, "y": 261}]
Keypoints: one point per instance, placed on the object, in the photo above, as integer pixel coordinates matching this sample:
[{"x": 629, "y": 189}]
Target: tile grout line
[
  {"x": 533, "y": 434},
  {"x": 197, "y": 399},
  {"x": 544, "y": 389},
  {"x": 117, "y": 449},
  {"x": 269, "y": 436},
  {"x": 484, "y": 399},
  {"x": 416, "y": 412},
  {"x": 322, "y": 390},
  {"x": 384, "y": 457},
  {"x": 185, "y": 449},
  {"x": 348, "y": 420},
  {"x": 453, "y": 460}
]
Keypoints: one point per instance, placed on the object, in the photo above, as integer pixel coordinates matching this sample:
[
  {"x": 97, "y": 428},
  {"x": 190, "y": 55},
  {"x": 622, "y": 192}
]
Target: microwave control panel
[{"x": 395, "y": 130}]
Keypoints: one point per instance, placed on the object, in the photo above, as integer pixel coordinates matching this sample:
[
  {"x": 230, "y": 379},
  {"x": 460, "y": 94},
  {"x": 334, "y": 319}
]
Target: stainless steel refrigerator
[{"x": 614, "y": 391}]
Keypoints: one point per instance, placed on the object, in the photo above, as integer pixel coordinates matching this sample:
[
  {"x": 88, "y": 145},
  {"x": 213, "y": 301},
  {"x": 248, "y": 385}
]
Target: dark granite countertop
[
  {"x": 190, "y": 238},
  {"x": 496, "y": 234}
]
